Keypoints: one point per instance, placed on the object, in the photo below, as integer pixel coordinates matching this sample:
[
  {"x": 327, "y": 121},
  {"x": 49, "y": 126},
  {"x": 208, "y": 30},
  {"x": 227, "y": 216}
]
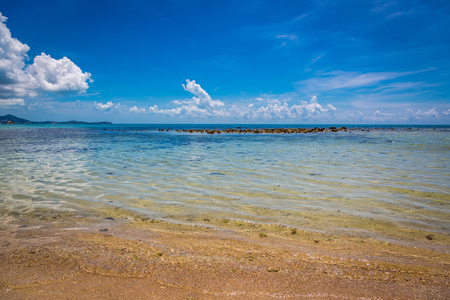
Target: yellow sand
[{"x": 74, "y": 257}]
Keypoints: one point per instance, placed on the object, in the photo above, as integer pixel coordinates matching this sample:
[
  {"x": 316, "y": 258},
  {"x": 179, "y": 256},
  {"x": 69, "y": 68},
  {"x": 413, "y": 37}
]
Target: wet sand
[{"x": 68, "y": 256}]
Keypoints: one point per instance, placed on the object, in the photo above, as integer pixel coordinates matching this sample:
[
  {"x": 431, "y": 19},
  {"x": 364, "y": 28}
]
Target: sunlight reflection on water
[{"x": 342, "y": 181}]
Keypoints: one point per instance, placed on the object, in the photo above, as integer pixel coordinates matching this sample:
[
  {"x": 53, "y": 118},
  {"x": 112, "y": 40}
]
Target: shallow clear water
[{"x": 357, "y": 181}]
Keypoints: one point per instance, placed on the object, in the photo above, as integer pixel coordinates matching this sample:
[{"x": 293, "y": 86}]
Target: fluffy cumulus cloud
[
  {"x": 274, "y": 109},
  {"x": 57, "y": 76},
  {"x": 12, "y": 53},
  {"x": 304, "y": 111},
  {"x": 137, "y": 110},
  {"x": 108, "y": 106},
  {"x": 201, "y": 105},
  {"x": 45, "y": 74}
]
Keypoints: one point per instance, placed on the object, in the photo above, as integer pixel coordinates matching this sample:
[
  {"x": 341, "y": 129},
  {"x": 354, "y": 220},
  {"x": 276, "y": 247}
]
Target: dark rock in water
[
  {"x": 103, "y": 229},
  {"x": 109, "y": 218},
  {"x": 217, "y": 173},
  {"x": 282, "y": 130}
]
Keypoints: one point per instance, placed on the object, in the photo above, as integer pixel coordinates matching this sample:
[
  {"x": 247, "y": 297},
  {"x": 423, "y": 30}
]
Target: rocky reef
[{"x": 239, "y": 130}]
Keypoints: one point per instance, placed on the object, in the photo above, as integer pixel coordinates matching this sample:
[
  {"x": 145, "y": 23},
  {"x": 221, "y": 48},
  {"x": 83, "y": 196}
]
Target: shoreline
[
  {"x": 96, "y": 257},
  {"x": 88, "y": 214}
]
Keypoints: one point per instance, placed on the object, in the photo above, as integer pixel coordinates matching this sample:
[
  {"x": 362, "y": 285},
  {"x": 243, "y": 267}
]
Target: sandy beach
[
  {"x": 224, "y": 150},
  {"x": 53, "y": 255},
  {"x": 89, "y": 213}
]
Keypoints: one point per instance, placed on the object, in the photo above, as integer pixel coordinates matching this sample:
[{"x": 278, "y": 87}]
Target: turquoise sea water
[{"x": 357, "y": 181}]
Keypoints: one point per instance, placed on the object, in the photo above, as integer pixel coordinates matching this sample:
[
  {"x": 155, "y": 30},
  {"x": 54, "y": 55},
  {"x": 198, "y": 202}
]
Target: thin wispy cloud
[
  {"x": 383, "y": 5},
  {"x": 291, "y": 37},
  {"x": 7, "y": 103},
  {"x": 316, "y": 58},
  {"x": 340, "y": 80}
]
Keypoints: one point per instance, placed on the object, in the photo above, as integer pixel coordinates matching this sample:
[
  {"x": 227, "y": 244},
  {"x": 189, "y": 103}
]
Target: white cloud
[
  {"x": 45, "y": 74},
  {"x": 202, "y": 100},
  {"x": 381, "y": 6},
  {"x": 107, "y": 106},
  {"x": 8, "y": 103},
  {"x": 339, "y": 80},
  {"x": 432, "y": 113},
  {"x": 201, "y": 105},
  {"x": 137, "y": 110},
  {"x": 316, "y": 58},
  {"x": 347, "y": 80},
  {"x": 276, "y": 109},
  {"x": 12, "y": 60},
  {"x": 12, "y": 53},
  {"x": 291, "y": 37},
  {"x": 57, "y": 76},
  {"x": 268, "y": 108},
  {"x": 407, "y": 116},
  {"x": 42, "y": 106},
  {"x": 396, "y": 14},
  {"x": 287, "y": 38}
]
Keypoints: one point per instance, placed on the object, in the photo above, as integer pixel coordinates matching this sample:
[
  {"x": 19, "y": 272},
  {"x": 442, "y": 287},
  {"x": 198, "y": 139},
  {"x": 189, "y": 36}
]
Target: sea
[{"x": 388, "y": 182}]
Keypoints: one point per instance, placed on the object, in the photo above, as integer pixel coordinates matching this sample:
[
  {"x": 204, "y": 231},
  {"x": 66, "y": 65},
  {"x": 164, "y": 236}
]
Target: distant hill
[{"x": 13, "y": 119}]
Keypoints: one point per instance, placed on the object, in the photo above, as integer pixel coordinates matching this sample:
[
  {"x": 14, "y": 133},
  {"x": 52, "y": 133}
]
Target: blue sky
[{"x": 211, "y": 61}]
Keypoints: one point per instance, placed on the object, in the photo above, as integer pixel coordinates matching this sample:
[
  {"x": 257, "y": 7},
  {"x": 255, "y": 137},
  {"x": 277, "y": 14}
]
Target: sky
[{"x": 253, "y": 61}]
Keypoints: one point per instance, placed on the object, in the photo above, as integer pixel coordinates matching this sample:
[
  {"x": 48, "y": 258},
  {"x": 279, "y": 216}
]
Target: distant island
[{"x": 10, "y": 119}]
